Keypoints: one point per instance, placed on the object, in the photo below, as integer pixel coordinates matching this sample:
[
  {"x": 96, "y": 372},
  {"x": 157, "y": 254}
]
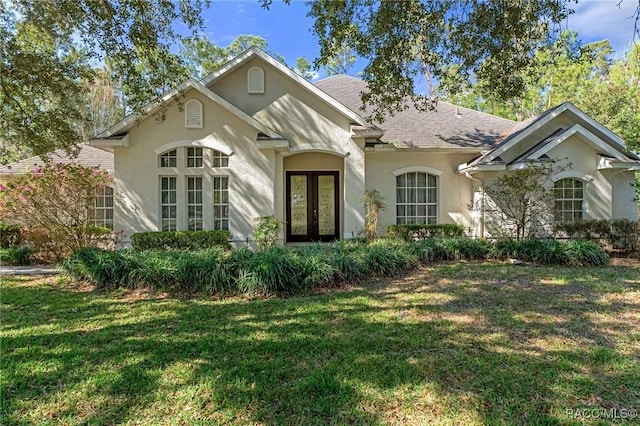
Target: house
[{"x": 255, "y": 139}]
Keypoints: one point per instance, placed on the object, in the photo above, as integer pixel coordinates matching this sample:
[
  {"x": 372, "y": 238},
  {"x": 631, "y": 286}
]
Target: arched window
[
  {"x": 416, "y": 198},
  {"x": 568, "y": 200},
  {"x": 255, "y": 78},
  {"x": 220, "y": 159},
  {"x": 169, "y": 159},
  {"x": 193, "y": 114}
]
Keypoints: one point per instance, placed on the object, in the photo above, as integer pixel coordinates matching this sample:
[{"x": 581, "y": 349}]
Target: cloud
[{"x": 603, "y": 19}]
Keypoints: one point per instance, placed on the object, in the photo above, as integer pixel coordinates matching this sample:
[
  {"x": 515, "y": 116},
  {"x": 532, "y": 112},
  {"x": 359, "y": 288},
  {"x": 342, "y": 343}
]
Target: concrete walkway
[{"x": 28, "y": 270}]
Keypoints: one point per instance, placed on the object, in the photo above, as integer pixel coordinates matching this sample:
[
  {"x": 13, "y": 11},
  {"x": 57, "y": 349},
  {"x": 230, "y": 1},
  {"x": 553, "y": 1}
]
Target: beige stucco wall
[
  {"x": 608, "y": 193},
  {"x": 309, "y": 123},
  {"x": 251, "y": 171},
  {"x": 454, "y": 190}
]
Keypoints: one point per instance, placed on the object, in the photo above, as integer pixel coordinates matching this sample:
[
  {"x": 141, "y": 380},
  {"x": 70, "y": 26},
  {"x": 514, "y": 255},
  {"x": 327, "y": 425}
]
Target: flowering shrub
[{"x": 55, "y": 205}]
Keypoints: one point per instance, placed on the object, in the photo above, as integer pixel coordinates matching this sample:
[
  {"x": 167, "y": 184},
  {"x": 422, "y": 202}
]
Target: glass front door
[{"x": 312, "y": 206}]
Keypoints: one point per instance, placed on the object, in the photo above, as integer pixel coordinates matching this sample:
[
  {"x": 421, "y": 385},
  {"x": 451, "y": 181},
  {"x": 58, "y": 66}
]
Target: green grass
[{"x": 454, "y": 344}]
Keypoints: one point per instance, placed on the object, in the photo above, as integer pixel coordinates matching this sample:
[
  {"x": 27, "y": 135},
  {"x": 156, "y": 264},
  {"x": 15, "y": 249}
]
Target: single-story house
[{"x": 256, "y": 139}]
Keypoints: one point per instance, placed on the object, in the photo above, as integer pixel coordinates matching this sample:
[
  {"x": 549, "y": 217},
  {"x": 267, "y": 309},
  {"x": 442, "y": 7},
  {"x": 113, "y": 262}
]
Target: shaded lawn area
[{"x": 450, "y": 344}]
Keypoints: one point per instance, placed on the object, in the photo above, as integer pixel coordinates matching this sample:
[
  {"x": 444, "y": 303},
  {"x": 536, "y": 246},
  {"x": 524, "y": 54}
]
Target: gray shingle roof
[
  {"x": 449, "y": 126},
  {"x": 89, "y": 156}
]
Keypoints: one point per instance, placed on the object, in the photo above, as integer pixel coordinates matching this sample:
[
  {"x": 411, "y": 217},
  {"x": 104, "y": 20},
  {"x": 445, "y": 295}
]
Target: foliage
[
  {"x": 417, "y": 232},
  {"x": 55, "y": 205},
  {"x": 620, "y": 234},
  {"x": 266, "y": 230},
  {"x": 10, "y": 235},
  {"x": 373, "y": 205},
  {"x": 47, "y": 49},
  {"x": 609, "y": 91},
  {"x": 16, "y": 255},
  {"x": 520, "y": 204},
  {"x": 405, "y": 39},
  {"x": 284, "y": 270},
  {"x": 180, "y": 240},
  {"x": 303, "y": 68},
  {"x": 203, "y": 57}
]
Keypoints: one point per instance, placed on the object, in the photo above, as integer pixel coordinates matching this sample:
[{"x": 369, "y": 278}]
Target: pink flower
[{"x": 2, "y": 187}]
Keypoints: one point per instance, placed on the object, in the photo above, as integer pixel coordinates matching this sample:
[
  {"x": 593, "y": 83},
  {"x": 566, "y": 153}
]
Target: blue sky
[{"x": 287, "y": 29}]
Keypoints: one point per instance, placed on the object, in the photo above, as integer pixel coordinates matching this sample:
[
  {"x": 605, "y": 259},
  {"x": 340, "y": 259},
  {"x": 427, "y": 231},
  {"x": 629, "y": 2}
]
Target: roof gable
[
  {"x": 255, "y": 52},
  {"x": 521, "y": 133},
  {"x": 107, "y": 138},
  {"x": 534, "y": 139}
]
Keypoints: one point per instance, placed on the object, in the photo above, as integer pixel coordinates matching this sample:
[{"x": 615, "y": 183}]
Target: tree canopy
[{"x": 49, "y": 50}]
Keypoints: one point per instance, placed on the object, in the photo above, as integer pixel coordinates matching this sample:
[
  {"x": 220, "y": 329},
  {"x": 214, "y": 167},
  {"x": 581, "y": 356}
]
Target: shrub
[
  {"x": 389, "y": 256},
  {"x": 618, "y": 234},
  {"x": 56, "y": 204},
  {"x": 284, "y": 270},
  {"x": 180, "y": 240},
  {"x": 266, "y": 230},
  {"x": 421, "y": 232},
  {"x": 551, "y": 252},
  {"x": 15, "y": 255},
  {"x": 10, "y": 235}
]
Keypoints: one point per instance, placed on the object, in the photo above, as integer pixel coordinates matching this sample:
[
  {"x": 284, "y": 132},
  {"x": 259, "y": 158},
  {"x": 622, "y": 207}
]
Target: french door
[{"x": 312, "y": 206}]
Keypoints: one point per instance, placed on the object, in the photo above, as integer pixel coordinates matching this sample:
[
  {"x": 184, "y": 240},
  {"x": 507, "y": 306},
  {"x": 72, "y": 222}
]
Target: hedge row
[
  {"x": 281, "y": 270},
  {"x": 619, "y": 234},
  {"x": 180, "y": 240},
  {"x": 422, "y": 232}
]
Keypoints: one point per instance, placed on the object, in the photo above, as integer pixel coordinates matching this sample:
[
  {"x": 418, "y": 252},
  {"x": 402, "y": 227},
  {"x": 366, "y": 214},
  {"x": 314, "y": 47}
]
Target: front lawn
[{"x": 452, "y": 344}]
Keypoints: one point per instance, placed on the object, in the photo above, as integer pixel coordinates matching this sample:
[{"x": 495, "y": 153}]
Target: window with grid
[
  {"x": 568, "y": 200},
  {"x": 220, "y": 159},
  {"x": 221, "y": 202},
  {"x": 169, "y": 159},
  {"x": 416, "y": 198},
  {"x": 103, "y": 208},
  {"x": 194, "y": 157},
  {"x": 168, "y": 201},
  {"x": 194, "y": 203}
]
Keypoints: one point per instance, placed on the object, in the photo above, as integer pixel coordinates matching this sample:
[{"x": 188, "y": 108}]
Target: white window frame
[
  {"x": 220, "y": 201},
  {"x": 561, "y": 213},
  {"x": 167, "y": 157},
  {"x": 194, "y": 204},
  {"x": 101, "y": 204},
  {"x": 193, "y": 114},
  {"x": 219, "y": 159},
  {"x": 429, "y": 202},
  {"x": 198, "y": 154},
  {"x": 171, "y": 220}
]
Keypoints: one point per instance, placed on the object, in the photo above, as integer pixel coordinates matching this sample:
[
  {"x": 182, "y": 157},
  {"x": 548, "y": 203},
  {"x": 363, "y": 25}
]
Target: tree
[
  {"x": 401, "y": 39},
  {"x": 203, "y": 57},
  {"x": 55, "y": 203},
  {"x": 303, "y": 67},
  {"x": 48, "y": 49},
  {"x": 103, "y": 103},
  {"x": 520, "y": 204},
  {"x": 373, "y": 205}
]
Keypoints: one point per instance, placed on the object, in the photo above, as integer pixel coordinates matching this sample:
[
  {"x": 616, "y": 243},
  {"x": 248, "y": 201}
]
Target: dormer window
[
  {"x": 193, "y": 114},
  {"x": 255, "y": 78}
]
